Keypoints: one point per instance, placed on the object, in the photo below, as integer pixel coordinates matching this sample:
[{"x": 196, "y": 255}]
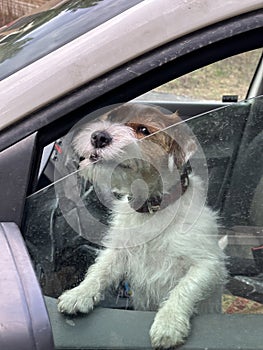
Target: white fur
[
  {"x": 171, "y": 259},
  {"x": 121, "y": 139},
  {"x": 171, "y": 163}
]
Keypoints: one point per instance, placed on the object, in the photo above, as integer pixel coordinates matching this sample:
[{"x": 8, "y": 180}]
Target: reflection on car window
[
  {"x": 231, "y": 76},
  {"x": 34, "y": 36},
  {"x": 66, "y": 222}
]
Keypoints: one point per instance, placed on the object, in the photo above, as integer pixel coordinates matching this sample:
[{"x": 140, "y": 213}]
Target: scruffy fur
[{"x": 171, "y": 262}]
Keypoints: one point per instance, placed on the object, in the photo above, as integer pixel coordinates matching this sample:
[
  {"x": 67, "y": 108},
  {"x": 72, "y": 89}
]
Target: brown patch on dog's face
[
  {"x": 139, "y": 114},
  {"x": 148, "y": 121}
]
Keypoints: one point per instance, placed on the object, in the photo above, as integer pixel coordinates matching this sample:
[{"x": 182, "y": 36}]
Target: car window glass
[
  {"x": 66, "y": 221},
  {"x": 35, "y": 36},
  {"x": 229, "y": 77}
]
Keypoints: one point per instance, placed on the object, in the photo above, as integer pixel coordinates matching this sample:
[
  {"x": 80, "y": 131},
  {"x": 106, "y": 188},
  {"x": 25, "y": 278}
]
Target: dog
[{"x": 162, "y": 237}]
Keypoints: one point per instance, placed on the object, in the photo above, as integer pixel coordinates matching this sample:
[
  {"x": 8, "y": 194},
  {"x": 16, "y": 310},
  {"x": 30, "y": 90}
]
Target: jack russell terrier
[{"x": 162, "y": 237}]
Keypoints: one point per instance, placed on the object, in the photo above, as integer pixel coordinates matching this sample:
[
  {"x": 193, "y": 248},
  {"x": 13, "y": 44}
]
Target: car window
[
  {"x": 230, "y": 77},
  {"x": 66, "y": 222},
  {"x": 34, "y": 36}
]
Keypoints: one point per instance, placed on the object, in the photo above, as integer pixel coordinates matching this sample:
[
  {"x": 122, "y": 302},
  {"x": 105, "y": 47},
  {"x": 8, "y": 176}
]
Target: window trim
[{"x": 256, "y": 86}]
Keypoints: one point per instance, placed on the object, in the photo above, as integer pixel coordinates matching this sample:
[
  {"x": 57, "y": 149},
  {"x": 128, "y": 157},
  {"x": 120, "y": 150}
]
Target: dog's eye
[
  {"x": 143, "y": 130},
  {"x": 81, "y": 159}
]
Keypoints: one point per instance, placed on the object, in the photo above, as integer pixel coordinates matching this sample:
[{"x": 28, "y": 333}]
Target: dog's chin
[
  {"x": 110, "y": 175},
  {"x": 99, "y": 170},
  {"x": 87, "y": 163},
  {"x": 94, "y": 157}
]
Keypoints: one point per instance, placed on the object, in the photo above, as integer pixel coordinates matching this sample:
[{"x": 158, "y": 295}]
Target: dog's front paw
[
  {"x": 168, "y": 331},
  {"x": 76, "y": 300}
]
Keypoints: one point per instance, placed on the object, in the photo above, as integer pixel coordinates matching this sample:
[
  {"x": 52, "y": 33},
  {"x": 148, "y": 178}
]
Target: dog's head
[{"x": 141, "y": 143}]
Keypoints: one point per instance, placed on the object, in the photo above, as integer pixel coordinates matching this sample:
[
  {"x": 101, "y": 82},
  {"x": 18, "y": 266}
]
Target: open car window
[
  {"x": 227, "y": 78},
  {"x": 66, "y": 221}
]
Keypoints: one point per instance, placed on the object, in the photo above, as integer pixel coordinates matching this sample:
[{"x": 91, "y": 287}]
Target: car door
[{"x": 33, "y": 206}]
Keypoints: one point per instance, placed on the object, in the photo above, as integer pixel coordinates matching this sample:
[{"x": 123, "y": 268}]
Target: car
[{"x": 78, "y": 60}]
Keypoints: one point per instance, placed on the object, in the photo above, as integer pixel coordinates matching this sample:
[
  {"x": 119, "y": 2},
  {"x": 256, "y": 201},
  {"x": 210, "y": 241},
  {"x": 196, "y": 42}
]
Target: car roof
[{"x": 129, "y": 34}]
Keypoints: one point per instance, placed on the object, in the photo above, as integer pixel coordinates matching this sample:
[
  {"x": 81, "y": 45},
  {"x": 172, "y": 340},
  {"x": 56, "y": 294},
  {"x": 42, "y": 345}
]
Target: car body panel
[{"x": 131, "y": 34}]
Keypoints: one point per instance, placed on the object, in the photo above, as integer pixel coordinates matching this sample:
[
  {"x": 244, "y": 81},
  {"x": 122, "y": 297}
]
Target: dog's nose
[{"x": 100, "y": 139}]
